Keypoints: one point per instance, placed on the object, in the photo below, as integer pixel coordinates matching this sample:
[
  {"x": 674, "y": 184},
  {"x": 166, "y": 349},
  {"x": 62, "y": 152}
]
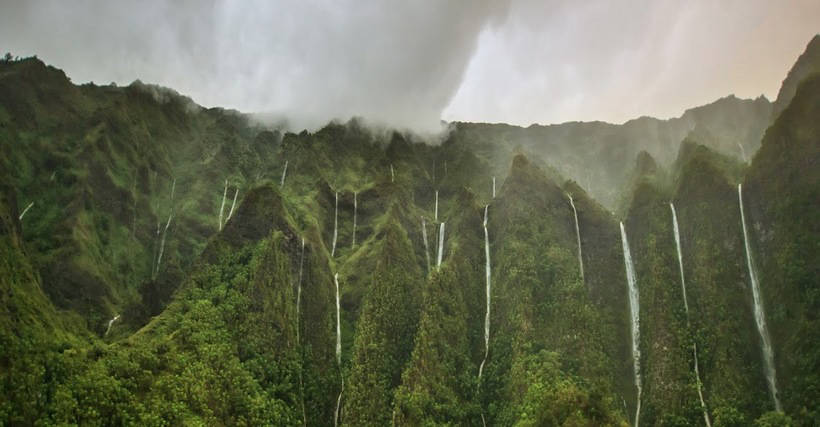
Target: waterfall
[
  {"x": 338, "y": 350},
  {"x": 299, "y": 289},
  {"x": 20, "y": 218},
  {"x": 298, "y": 327},
  {"x": 686, "y": 307},
  {"x": 577, "y": 236},
  {"x": 284, "y": 172},
  {"x": 173, "y": 188},
  {"x": 634, "y": 309},
  {"x": 487, "y": 315},
  {"x": 233, "y": 205},
  {"x": 355, "y": 208},
  {"x": 162, "y": 243},
  {"x": 110, "y": 323},
  {"x": 680, "y": 258},
  {"x": 742, "y": 152},
  {"x": 440, "y": 244},
  {"x": 338, "y": 325},
  {"x": 760, "y": 315},
  {"x": 435, "y": 217},
  {"x": 493, "y": 187},
  {"x": 222, "y": 208},
  {"x": 392, "y": 175},
  {"x": 426, "y": 247},
  {"x": 335, "y": 226}
]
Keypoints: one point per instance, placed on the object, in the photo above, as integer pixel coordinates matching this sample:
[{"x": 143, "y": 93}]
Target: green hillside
[{"x": 135, "y": 291}]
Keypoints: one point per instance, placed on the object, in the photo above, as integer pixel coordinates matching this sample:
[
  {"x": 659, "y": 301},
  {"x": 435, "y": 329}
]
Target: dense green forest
[{"x": 166, "y": 264}]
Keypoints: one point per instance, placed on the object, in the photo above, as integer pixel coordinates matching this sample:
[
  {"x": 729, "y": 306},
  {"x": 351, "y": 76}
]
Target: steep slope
[
  {"x": 549, "y": 347},
  {"x": 807, "y": 64},
  {"x": 782, "y": 196},
  {"x": 113, "y": 173},
  {"x": 717, "y": 287}
]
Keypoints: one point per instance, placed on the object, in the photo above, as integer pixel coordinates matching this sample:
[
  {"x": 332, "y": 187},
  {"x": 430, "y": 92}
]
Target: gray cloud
[
  {"x": 557, "y": 61},
  {"x": 411, "y": 63},
  {"x": 393, "y": 62}
]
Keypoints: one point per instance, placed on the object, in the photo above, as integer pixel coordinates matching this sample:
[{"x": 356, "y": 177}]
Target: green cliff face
[{"x": 237, "y": 323}]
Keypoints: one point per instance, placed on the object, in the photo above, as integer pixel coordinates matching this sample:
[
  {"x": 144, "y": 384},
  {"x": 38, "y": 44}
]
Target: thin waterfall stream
[
  {"x": 338, "y": 351},
  {"x": 760, "y": 315},
  {"x": 488, "y": 286},
  {"x": 634, "y": 309},
  {"x": 426, "y": 247},
  {"x": 335, "y": 226},
  {"x": 686, "y": 307},
  {"x": 577, "y": 236}
]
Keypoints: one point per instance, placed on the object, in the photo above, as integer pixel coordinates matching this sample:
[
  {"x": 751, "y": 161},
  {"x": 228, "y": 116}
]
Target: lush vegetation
[{"x": 108, "y": 317}]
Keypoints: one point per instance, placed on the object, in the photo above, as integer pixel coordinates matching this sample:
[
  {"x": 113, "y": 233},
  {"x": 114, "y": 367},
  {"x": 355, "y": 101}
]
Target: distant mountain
[{"x": 594, "y": 153}]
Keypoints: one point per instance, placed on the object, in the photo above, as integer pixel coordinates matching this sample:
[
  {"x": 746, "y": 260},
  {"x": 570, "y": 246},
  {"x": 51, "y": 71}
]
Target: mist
[{"x": 411, "y": 64}]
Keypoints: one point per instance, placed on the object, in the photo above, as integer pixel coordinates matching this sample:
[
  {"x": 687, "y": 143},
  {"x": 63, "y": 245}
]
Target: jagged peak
[{"x": 807, "y": 63}]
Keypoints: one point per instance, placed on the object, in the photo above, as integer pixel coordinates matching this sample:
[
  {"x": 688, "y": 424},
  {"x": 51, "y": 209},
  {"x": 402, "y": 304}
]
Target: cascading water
[
  {"x": 392, "y": 175},
  {"x": 284, "y": 173},
  {"x": 426, "y": 247},
  {"x": 355, "y": 209},
  {"x": 440, "y": 244},
  {"x": 742, "y": 152},
  {"x": 493, "y": 187},
  {"x": 487, "y": 315},
  {"x": 335, "y": 226},
  {"x": 634, "y": 309},
  {"x": 686, "y": 307},
  {"x": 577, "y": 236},
  {"x": 435, "y": 217},
  {"x": 233, "y": 205},
  {"x": 338, "y": 350},
  {"x": 680, "y": 258},
  {"x": 162, "y": 243},
  {"x": 111, "y": 323},
  {"x": 22, "y": 214},
  {"x": 299, "y": 289},
  {"x": 222, "y": 207},
  {"x": 760, "y": 315},
  {"x": 298, "y": 327}
]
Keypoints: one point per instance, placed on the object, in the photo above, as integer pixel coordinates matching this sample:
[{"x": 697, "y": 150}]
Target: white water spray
[
  {"x": 162, "y": 243},
  {"x": 686, "y": 307},
  {"x": 426, "y": 247},
  {"x": 355, "y": 209},
  {"x": 233, "y": 205},
  {"x": 440, "y": 244},
  {"x": 435, "y": 217},
  {"x": 488, "y": 286},
  {"x": 299, "y": 289},
  {"x": 335, "y": 226},
  {"x": 577, "y": 236},
  {"x": 111, "y": 323},
  {"x": 338, "y": 350},
  {"x": 298, "y": 327},
  {"x": 760, "y": 315},
  {"x": 634, "y": 309},
  {"x": 20, "y": 218},
  {"x": 284, "y": 173},
  {"x": 221, "y": 208}
]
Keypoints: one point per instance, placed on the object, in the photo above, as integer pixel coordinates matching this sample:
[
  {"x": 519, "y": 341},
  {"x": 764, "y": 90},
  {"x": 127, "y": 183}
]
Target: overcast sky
[{"x": 413, "y": 63}]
